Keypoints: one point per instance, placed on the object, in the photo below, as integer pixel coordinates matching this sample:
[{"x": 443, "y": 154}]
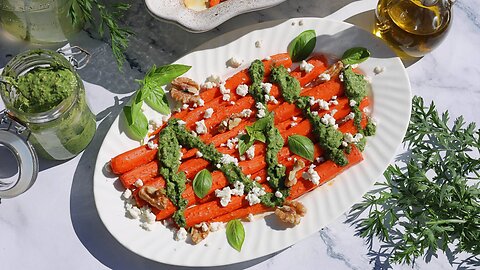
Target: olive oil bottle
[{"x": 413, "y": 27}]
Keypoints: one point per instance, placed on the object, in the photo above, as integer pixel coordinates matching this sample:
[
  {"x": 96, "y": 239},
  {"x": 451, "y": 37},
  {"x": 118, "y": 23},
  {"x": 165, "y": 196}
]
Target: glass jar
[
  {"x": 38, "y": 21},
  {"x": 62, "y": 131}
]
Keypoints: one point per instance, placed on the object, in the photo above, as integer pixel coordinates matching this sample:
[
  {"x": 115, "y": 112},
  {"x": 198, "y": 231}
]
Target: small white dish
[{"x": 204, "y": 20}]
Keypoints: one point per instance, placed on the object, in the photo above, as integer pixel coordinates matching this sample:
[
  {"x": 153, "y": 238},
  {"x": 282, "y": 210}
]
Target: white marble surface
[{"x": 55, "y": 225}]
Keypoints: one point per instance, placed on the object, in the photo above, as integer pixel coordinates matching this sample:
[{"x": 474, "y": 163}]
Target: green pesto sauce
[
  {"x": 290, "y": 86},
  {"x": 355, "y": 85},
  {"x": 43, "y": 88},
  {"x": 256, "y": 72},
  {"x": 169, "y": 157},
  {"x": 231, "y": 171}
]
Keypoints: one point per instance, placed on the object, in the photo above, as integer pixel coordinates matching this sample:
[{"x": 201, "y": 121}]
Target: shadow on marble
[{"x": 366, "y": 21}]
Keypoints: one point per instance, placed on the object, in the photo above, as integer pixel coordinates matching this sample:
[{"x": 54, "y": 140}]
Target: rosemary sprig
[
  {"x": 433, "y": 201},
  {"x": 83, "y": 10}
]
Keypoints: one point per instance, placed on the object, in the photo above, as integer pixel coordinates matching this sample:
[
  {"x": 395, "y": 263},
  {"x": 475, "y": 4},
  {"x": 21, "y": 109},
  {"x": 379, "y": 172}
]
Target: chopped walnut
[
  {"x": 331, "y": 72},
  {"x": 230, "y": 123},
  {"x": 291, "y": 212},
  {"x": 200, "y": 232},
  {"x": 292, "y": 176},
  {"x": 155, "y": 197},
  {"x": 185, "y": 90}
]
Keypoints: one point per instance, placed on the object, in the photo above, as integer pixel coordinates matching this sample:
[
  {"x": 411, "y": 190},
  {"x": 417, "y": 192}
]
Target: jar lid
[{"x": 14, "y": 137}]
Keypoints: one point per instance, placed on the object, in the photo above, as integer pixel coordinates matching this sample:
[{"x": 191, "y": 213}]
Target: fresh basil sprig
[
  {"x": 202, "y": 183},
  {"x": 255, "y": 132},
  {"x": 355, "y": 55},
  {"x": 301, "y": 145},
  {"x": 303, "y": 45},
  {"x": 152, "y": 93},
  {"x": 235, "y": 234}
]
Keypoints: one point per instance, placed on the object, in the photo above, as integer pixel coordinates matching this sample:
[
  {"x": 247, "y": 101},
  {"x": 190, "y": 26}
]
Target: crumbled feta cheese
[
  {"x": 226, "y": 97},
  {"x": 323, "y": 105},
  {"x": 324, "y": 77},
  {"x": 200, "y": 102},
  {"x": 315, "y": 113},
  {"x": 344, "y": 144},
  {"x": 227, "y": 159},
  {"x": 349, "y": 138},
  {"x": 218, "y": 166},
  {"x": 328, "y": 120},
  {"x": 246, "y": 113},
  {"x": 278, "y": 194},
  {"x": 200, "y": 127},
  {"x": 334, "y": 102},
  {"x": 289, "y": 70},
  {"x": 261, "y": 110},
  {"x": 350, "y": 116},
  {"x": 232, "y": 102},
  {"x": 134, "y": 212},
  {"x": 268, "y": 58},
  {"x": 152, "y": 145},
  {"x": 250, "y": 152},
  {"x": 156, "y": 123},
  {"x": 208, "y": 85},
  {"x": 215, "y": 226},
  {"x": 378, "y": 69},
  {"x": 305, "y": 66},
  {"x": 185, "y": 106},
  {"x": 242, "y": 90},
  {"x": 225, "y": 195},
  {"x": 311, "y": 175},
  {"x": 214, "y": 79},
  {"x": 340, "y": 76},
  {"x": 333, "y": 112},
  {"x": 181, "y": 122},
  {"x": 231, "y": 143},
  {"x": 238, "y": 188},
  {"x": 334, "y": 97},
  {"x": 127, "y": 194},
  {"x": 293, "y": 124},
  {"x": 208, "y": 113},
  {"x": 181, "y": 234},
  {"x": 294, "y": 118},
  {"x": 234, "y": 62},
  {"x": 138, "y": 183},
  {"x": 267, "y": 87},
  {"x": 352, "y": 103},
  {"x": 224, "y": 90},
  {"x": 147, "y": 215},
  {"x": 320, "y": 159},
  {"x": 198, "y": 154},
  {"x": 253, "y": 197},
  {"x": 258, "y": 44},
  {"x": 250, "y": 217}
]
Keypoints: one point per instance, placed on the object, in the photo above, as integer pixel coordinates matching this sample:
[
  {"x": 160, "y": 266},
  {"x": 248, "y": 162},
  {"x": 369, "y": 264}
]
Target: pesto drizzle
[
  {"x": 329, "y": 138},
  {"x": 274, "y": 141},
  {"x": 169, "y": 158}
]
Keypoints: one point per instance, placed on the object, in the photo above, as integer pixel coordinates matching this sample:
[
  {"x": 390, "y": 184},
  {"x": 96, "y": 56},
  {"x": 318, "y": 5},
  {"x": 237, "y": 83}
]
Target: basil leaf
[
  {"x": 202, "y": 183},
  {"x": 301, "y": 146},
  {"x": 163, "y": 75},
  {"x": 235, "y": 234},
  {"x": 137, "y": 123},
  {"x": 303, "y": 45},
  {"x": 158, "y": 100},
  {"x": 355, "y": 55},
  {"x": 244, "y": 143}
]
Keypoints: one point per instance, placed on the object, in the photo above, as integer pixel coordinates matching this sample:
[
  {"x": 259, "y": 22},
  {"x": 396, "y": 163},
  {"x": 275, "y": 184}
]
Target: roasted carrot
[{"x": 212, "y": 3}]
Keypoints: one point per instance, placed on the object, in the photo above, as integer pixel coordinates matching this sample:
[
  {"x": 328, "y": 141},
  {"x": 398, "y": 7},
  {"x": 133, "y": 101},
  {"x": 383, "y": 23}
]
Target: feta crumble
[
  {"x": 307, "y": 67},
  {"x": 238, "y": 188},
  {"x": 242, "y": 90},
  {"x": 215, "y": 226},
  {"x": 267, "y": 87},
  {"x": 278, "y": 194},
  {"x": 127, "y": 194},
  {"x": 246, "y": 113},
  {"x": 311, "y": 175},
  {"x": 138, "y": 183},
  {"x": 253, "y": 197},
  {"x": 250, "y": 152},
  {"x": 208, "y": 85},
  {"x": 227, "y": 159},
  {"x": 226, "y": 97},
  {"x": 152, "y": 145},
  {"x": 200, "y": 127},
  {"x": 181, "y": 234},
  {"x": 223, "y": 89},
  {"x": 198, "y": 154},
  {"x": 324, "y": 77},
  {"x": 225, "y": 195},
  {"x": 234, "y": 62},
  {"x": 208, "y": 113},
  {"x": 352, "y": 103}
]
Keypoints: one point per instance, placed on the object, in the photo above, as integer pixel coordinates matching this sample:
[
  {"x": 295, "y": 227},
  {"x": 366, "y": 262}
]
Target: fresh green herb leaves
[
  {"x": 83, "y": 11},
  {"x": 301, "y": 145},
  {"x": 432, "y": 201},
  {"x": 355, "y": 55},
  {"x": 202, "y": 183},
  {"x": 235, "y": 234},
  {"x": 152, "y": 93},
  {"x": 255, "y": 132},
  {"x": 303, "y": 45}
]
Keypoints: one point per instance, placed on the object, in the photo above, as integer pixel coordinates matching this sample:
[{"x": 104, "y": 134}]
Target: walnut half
[
  {"x": 292, "y": 176},
  {"x": 185, "y": 90},
  {"x": 200, "y": 232},
  {"x": 291, "y": 212},
  {"x": 155, "y": 197}
]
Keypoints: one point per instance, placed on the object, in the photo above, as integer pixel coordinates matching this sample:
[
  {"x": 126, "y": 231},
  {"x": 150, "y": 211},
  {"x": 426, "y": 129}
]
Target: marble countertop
[{"x": 55, "y": 225}]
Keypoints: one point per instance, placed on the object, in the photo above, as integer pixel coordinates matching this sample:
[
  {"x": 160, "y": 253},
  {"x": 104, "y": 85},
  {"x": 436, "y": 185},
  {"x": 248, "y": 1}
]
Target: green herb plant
[
  {"x": 152, "y": 93},
  {"x": 235, "y": 234},
  {"x": 301, "y": 146},
  {"x": 303, "y": 45},
  {"x": 433, "y": 201},
  {"x": 108, "y": 19},
  {"x": 202, "y": 183}
]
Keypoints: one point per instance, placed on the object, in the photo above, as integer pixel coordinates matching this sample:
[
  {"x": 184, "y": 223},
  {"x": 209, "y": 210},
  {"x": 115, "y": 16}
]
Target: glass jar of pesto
[{"x": 45, "y": 103}]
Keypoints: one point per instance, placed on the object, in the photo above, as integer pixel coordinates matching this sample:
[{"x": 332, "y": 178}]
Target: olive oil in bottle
[{"x": 413, "y": 27}]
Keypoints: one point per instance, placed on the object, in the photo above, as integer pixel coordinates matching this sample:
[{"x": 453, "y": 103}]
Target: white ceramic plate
[
  {"x": 204, "y": 20},
  {"x": 391, "y": 108}
]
